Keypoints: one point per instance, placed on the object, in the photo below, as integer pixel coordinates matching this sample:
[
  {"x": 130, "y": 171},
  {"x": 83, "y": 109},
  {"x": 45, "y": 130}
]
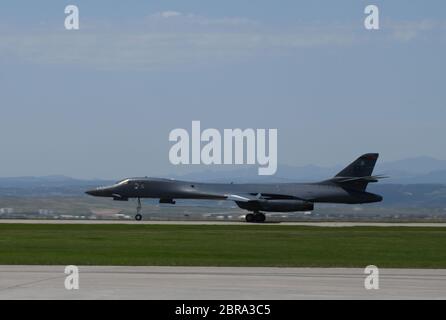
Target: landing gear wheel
[
  {"x": 259, "y": 217},
  {"x": 249, "y": 217},
  {"x": 138, "y": 216}
]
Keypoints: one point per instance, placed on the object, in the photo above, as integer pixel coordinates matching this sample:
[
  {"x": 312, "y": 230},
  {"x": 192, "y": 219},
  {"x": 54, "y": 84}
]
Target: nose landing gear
[{"x": 138, "y": 216}]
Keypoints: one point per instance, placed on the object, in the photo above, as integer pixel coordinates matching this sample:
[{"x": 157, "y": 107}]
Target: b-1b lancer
[{"x": 348, "y": 186}]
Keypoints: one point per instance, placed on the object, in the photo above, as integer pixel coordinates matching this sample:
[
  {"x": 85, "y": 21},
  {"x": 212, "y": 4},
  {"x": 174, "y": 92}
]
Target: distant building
[{"x": 45, "y": 212}]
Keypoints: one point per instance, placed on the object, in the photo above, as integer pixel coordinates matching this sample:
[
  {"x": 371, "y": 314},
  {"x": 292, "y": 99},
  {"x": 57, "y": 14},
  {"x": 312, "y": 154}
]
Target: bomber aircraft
[{"x": 348, "y": 186}]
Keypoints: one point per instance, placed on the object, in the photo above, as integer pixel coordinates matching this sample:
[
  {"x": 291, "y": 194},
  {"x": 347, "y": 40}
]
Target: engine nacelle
[{"x": 276, "y": 205}]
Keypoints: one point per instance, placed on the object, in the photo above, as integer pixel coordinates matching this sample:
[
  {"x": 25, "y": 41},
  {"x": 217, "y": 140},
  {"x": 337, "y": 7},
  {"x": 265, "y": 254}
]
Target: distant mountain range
[
  {"x": 53, "y": 181},
  {"x": 46, "y": 186},
  {"x": 418, "y": 170}
]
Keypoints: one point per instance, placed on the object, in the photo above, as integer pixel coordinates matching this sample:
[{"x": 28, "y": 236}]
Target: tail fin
[
  {"x": 361, "y": 167},
  {"x": 358, "y": 174}
]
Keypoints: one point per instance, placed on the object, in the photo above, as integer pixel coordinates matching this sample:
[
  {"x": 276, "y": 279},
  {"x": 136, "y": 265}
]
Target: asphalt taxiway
[
  {"x": 104, "y": 282},
  {"x": 216, "y": 222}
]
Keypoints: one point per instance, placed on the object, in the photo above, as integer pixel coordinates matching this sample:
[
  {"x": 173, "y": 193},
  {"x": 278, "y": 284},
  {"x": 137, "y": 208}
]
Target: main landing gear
[
  {"x": 255, "y": 217},
  {"x": 138, "y": 216}
]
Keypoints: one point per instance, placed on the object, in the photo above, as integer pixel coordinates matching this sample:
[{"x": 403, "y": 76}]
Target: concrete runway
[
  {"x": 317, "y": 224},
  {"x": 96, "y": 282}
]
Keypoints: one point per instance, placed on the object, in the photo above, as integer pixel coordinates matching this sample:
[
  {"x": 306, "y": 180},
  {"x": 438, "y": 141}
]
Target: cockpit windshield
[{"x": 122, "y": 182}]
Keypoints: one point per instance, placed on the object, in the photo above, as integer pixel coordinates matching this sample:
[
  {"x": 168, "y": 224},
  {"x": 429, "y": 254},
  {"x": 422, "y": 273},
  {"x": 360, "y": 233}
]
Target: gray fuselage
[{"x": 170, "y": 189}]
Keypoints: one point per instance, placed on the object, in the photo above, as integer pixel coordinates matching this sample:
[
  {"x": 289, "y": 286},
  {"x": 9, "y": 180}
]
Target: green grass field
[{"x": 223, "y": 245}]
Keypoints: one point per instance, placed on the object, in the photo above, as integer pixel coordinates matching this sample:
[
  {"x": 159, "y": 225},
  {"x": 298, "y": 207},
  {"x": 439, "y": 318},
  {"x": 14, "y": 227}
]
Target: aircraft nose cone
[
  {"x": 94, "y": 192},
  {"x": 90, "y": 192},
  {"x": 101, "y": 192}
]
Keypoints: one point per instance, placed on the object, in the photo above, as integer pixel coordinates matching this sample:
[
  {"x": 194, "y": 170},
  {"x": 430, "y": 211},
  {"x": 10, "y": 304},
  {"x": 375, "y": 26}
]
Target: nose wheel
[{"x": 138, "y": 216}]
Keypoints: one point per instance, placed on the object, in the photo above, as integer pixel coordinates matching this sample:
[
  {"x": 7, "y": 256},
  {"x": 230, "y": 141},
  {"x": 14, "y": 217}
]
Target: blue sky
[{"x": 101, "y": 101}]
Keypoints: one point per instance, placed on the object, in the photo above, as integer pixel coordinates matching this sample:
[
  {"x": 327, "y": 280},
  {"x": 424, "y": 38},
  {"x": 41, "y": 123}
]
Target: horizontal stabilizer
[{"x": 359, "y": 179}]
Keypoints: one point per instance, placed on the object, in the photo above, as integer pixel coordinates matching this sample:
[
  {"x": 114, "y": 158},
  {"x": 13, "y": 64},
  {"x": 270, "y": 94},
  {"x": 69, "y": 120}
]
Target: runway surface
[
  {"x": 97, "y": 282},
  {"x": 318, "y": 224}
]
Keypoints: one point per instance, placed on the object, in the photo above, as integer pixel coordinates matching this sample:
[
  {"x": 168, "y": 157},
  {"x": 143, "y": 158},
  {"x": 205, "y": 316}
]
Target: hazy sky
[{"x": 101, "y": 101}]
